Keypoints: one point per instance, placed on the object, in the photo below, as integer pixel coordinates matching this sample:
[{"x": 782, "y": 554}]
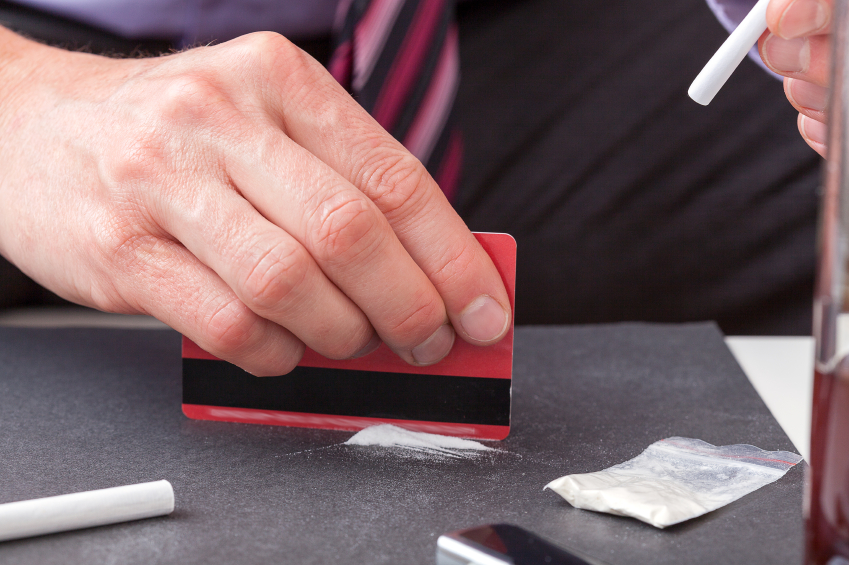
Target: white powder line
[{"x": 387, "y": 435}]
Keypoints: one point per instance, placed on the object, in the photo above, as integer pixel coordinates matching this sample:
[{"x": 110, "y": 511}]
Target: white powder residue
[{"x": 387, "y": 435}]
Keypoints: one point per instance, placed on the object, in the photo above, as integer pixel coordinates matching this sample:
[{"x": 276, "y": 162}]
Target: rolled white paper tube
[
  {"x": 85, "y": 509},
  {"x": 730, "y": 54}
]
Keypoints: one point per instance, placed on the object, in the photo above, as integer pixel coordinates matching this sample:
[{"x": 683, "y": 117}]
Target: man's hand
[
  {"x": 797, "y": 46},
  {"x": 238, "y": 194}
]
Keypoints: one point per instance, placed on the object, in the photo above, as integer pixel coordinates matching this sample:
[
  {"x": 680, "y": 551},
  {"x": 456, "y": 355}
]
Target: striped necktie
[{"x": 400, "y": 61}]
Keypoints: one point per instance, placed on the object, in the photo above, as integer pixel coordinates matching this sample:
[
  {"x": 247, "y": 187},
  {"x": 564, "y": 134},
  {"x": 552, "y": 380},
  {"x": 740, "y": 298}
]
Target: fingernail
[
  {"x": 372, "y": 345},
  {"x": 435, "y": 347},
  {"x": 484, "y": 319},
  {"x": 807, "y": 95},
  {"x": 787, "y": 55},
  {"x": 814, "y": 130},
  {"x": 803, "y": 17}
]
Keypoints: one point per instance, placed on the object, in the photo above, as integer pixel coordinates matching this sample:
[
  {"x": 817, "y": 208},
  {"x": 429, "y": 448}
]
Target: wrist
[
  {"x": 32, "y": 72},
  {"x": 18, "y": 63}
]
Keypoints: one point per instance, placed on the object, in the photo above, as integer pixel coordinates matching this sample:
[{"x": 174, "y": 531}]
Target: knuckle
[
  {"x": 455, "y": 266},
  {"x": 138, "y": 158},
  {"x": 279, "y": 59},
  {"x": 262, "y": 43},
  {"x": 268, "y": 145},
  {"x": 417, "y": 323},
  {"x": 237, "y": 335},
  {"x": 288, "y": 60},
  {"x": 352, "y": 342},
  {"x": 277, "y": 277},
  {"x": 283, "y": 70},
  {"x": 121, "y": 243},
  {"x": 344, "y": 228},
  {"x": 397, "y": 183},
  {"x": 190, "y": 98},
  {"x": 127, "y": 257},
  {"x": 281, "y": 363},
  {"x": 230, "y": 328}
]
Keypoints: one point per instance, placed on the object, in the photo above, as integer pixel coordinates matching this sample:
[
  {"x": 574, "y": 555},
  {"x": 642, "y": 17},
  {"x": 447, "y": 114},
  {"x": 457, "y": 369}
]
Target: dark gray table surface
[{"x": 85, "y": 409}]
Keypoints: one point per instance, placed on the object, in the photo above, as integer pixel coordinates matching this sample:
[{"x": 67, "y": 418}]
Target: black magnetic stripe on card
[{"x": 343, "y": 392}]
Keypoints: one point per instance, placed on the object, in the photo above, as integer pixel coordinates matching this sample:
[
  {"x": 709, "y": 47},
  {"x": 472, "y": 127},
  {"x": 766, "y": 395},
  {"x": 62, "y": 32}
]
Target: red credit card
[{"x": 466, "y": 394}]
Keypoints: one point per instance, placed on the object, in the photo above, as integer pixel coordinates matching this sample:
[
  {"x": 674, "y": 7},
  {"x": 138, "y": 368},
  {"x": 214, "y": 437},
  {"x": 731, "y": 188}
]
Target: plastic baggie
[{"x": 675, "y": 479}]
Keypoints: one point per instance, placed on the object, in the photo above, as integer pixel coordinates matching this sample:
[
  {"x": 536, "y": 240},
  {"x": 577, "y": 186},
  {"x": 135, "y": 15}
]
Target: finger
[
  {"x": 814, "y": 133},
  {"x": 805, "y": 58},
  {"x": 350, "y": 240},
  {"x": 270, "y": 271},
  {"x": 176, "y": 288},
  {"x": 808, "y": 98},
  {"x": 328, "y": 123},
  {"x": 798, "y": 18}
]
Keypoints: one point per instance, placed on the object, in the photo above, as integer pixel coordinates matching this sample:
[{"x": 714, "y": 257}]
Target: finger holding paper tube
[
  {"x": 85, "y": 509},
  {"x": 798, "y": 47}
]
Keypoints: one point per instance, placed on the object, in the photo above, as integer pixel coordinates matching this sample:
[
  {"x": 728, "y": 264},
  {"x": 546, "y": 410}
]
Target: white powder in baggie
[
  {"x": 387, "y": 435},
  {"x": 655, "y": 501},
  {"x": 674, "y": 480}
]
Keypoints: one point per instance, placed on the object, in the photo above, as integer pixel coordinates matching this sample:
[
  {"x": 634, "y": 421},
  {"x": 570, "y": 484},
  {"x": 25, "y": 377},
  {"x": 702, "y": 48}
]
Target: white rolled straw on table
[
  {"x": 730, "y": 55},
  {"x": 85, "y": 509}
]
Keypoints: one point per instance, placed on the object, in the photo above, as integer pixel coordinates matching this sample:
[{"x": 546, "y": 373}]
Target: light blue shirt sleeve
[{"x": 730, "y": 12}]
